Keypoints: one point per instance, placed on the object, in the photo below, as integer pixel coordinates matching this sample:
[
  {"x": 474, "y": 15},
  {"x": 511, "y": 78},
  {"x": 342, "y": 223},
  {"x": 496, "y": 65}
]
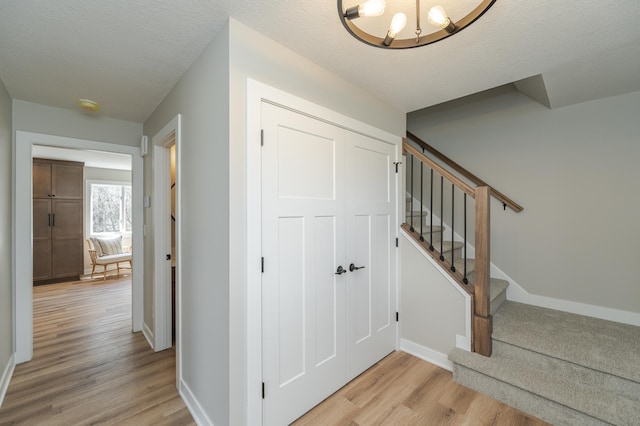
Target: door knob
[
  {"x": 340, "y": 270},
  {"x": 353, "y": 267}
]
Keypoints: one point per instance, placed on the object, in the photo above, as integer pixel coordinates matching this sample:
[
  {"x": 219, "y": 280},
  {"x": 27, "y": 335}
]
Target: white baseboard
[
  {"x": 516, "y": 293},
  {"x": 148, "y": 334},
  {"x": 427, "y": 354},
  {"x": 6, "y": 377},
  {"x": 198, "y": 414}
]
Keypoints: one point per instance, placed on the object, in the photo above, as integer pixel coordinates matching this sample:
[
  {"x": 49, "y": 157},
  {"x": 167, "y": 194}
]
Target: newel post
[{"x": 482, "y": 321}]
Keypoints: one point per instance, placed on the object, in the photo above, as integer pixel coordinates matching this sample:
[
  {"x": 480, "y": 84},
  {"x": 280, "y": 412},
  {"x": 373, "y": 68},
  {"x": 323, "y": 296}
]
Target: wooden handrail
[
  {"x": 457, "y": 167},
  {"x": 441, "y": 170}
]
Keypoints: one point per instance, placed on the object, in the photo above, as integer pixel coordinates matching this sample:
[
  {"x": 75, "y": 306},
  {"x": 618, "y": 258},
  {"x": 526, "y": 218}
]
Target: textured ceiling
[{"x": 127, "y": 54}]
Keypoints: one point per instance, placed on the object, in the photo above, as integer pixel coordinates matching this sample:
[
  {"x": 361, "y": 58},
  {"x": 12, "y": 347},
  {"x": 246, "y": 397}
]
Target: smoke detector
[{"x": 89, "y": 105}]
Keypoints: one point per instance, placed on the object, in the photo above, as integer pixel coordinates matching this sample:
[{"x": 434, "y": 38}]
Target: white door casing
[
  {"x": 22, "y": 239},
  {"x": 328, "y": 200}
]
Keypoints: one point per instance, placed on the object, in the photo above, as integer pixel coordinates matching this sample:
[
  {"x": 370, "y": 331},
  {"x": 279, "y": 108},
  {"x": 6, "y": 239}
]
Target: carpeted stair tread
[
  {"x": 595, "y": 402},
  {"x": 446, "y": 246},
  {"x": 497, "y": 286},
  {"x": 471, "y": 265},
  {"x": 606, "y": 346}
]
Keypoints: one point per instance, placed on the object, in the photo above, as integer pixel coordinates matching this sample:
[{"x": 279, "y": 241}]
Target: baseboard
[
  {"x": 148, "y": 334},
  {"x": 6, "y": 377},
  {"x": 516, "y": 293},
  {"x": 427, "y": 354},
  {"x": 198, "y": 414}
]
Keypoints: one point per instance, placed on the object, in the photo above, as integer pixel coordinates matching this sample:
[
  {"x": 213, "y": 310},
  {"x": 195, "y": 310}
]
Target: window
[{"x": 111, "y": 210}]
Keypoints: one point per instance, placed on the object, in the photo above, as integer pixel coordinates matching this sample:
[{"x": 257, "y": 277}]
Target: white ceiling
[{"x": 128, "y": 54}]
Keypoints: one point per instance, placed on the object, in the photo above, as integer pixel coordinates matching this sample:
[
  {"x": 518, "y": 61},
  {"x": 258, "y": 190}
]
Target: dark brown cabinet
[{"x": 57, "y": 219}]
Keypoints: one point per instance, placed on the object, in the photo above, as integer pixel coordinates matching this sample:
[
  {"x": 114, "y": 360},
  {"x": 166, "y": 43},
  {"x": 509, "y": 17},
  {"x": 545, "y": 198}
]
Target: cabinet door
[
  {"x": 41, "y": 179},
  {"x": 66, "y": 238},
  {"x": 41, "y": 239},
  {"x": 66, "y": 181}
]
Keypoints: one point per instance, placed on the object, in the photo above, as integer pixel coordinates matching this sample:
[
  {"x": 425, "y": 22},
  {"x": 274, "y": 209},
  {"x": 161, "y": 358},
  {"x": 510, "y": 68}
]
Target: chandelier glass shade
[{"x": 388, "y": 24}]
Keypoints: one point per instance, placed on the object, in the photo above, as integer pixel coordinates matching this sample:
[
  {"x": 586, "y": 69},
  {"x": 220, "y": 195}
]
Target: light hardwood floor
[
  {"x": 88, "y": 368},
  {"x": 404, "y": 390}
]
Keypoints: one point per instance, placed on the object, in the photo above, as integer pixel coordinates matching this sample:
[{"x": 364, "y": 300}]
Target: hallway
[{"x": 88, "y": 367}]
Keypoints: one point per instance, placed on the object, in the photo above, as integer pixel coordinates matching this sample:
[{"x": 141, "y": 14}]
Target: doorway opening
[
  {"x": 167, "y": 246},
  {"x": 22, "y": 225}
]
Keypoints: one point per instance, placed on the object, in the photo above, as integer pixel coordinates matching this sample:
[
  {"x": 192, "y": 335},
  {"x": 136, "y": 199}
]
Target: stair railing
[
  {"x": 453, "y": 256},
  {"x": 506, "y": 201}
]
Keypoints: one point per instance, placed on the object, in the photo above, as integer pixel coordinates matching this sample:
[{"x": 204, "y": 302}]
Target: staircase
[
  {"x": 564, "y": 368},
  {"x": 498, "y": 288}
]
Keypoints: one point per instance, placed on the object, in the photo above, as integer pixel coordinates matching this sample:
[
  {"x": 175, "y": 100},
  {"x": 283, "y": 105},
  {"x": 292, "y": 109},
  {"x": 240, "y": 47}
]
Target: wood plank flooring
[
  {"x": 404, "y": 390},
  {"x": 88, "y": 367}
]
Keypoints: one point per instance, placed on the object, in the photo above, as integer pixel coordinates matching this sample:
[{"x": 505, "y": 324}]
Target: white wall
[
  {"x": 110, "y": 176},
  {"x": 202, "y": 97},
  {"x": 211, "y": 98},
  {"x": 257, "y": 57},
  {"x": 74, "y": 123},
  {"x": 574, "y": 169},
  {"x": 6, "y": 293}
]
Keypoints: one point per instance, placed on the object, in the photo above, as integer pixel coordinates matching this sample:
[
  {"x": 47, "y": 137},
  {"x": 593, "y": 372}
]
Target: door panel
[
  {"x": 291, "y": 299},
  {"x": 67, "y": 181},
  {"x": 302, "y": 243},
  {"x": 67, "y": 238},
  {"x": 326, "y": 296},
  {"x": 41, "y": 179},
  {"x": 41, "y": 239}
]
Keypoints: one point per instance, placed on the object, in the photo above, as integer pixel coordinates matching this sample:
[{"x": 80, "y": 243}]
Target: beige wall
[
  {"x": 6, "y": 294},
  {"x": 574, "y": 169}
]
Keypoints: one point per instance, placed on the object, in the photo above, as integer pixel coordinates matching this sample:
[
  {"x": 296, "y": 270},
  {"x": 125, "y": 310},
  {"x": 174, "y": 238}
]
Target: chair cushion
[
  {"x": 107, "y": 246},
  {"x": 113, "y": 258}
]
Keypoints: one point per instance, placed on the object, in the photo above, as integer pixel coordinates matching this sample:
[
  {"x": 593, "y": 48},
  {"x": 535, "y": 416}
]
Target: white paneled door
[{"x": 328, "y": 201}]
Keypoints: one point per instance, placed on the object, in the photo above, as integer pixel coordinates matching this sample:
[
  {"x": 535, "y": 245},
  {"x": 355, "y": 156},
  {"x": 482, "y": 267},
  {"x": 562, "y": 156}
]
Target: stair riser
[
  {"x": 535, "y": 405},
  {"x": 498, "y": 301},
  {"x": 627, "y": 388}
]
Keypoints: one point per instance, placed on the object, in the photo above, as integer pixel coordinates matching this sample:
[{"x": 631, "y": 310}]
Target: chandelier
[{"x": 368, "y": 18}]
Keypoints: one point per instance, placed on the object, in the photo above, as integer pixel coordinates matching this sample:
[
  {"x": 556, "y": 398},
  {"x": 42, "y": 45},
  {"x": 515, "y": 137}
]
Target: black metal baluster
[
  {"x": 421, "y": 197},
  {"x": 441, "y": 215},
  {"x": 411, "y": 212},
  {"x": 453, "y": 211},
  {"x": 464, "y": 278},
  {"x": 431, "y": 214}
]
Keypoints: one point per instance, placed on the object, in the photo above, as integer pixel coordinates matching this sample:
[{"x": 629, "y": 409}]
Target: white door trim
[
  {"x": 257, "y": 93},
  {"x": 161, "y": 144},
  {"x": 22, "y": 231}
]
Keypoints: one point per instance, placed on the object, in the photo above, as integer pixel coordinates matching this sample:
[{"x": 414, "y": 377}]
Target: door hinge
[
  {"x": 262, "y": 390},
  {"x": 261, "y": 137},
  {"x": 397, "y": 316},
  {"x": 262, "y": 264},
  {"x": 396, "y": 242},
  {"x": 397, "y": 163}
]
